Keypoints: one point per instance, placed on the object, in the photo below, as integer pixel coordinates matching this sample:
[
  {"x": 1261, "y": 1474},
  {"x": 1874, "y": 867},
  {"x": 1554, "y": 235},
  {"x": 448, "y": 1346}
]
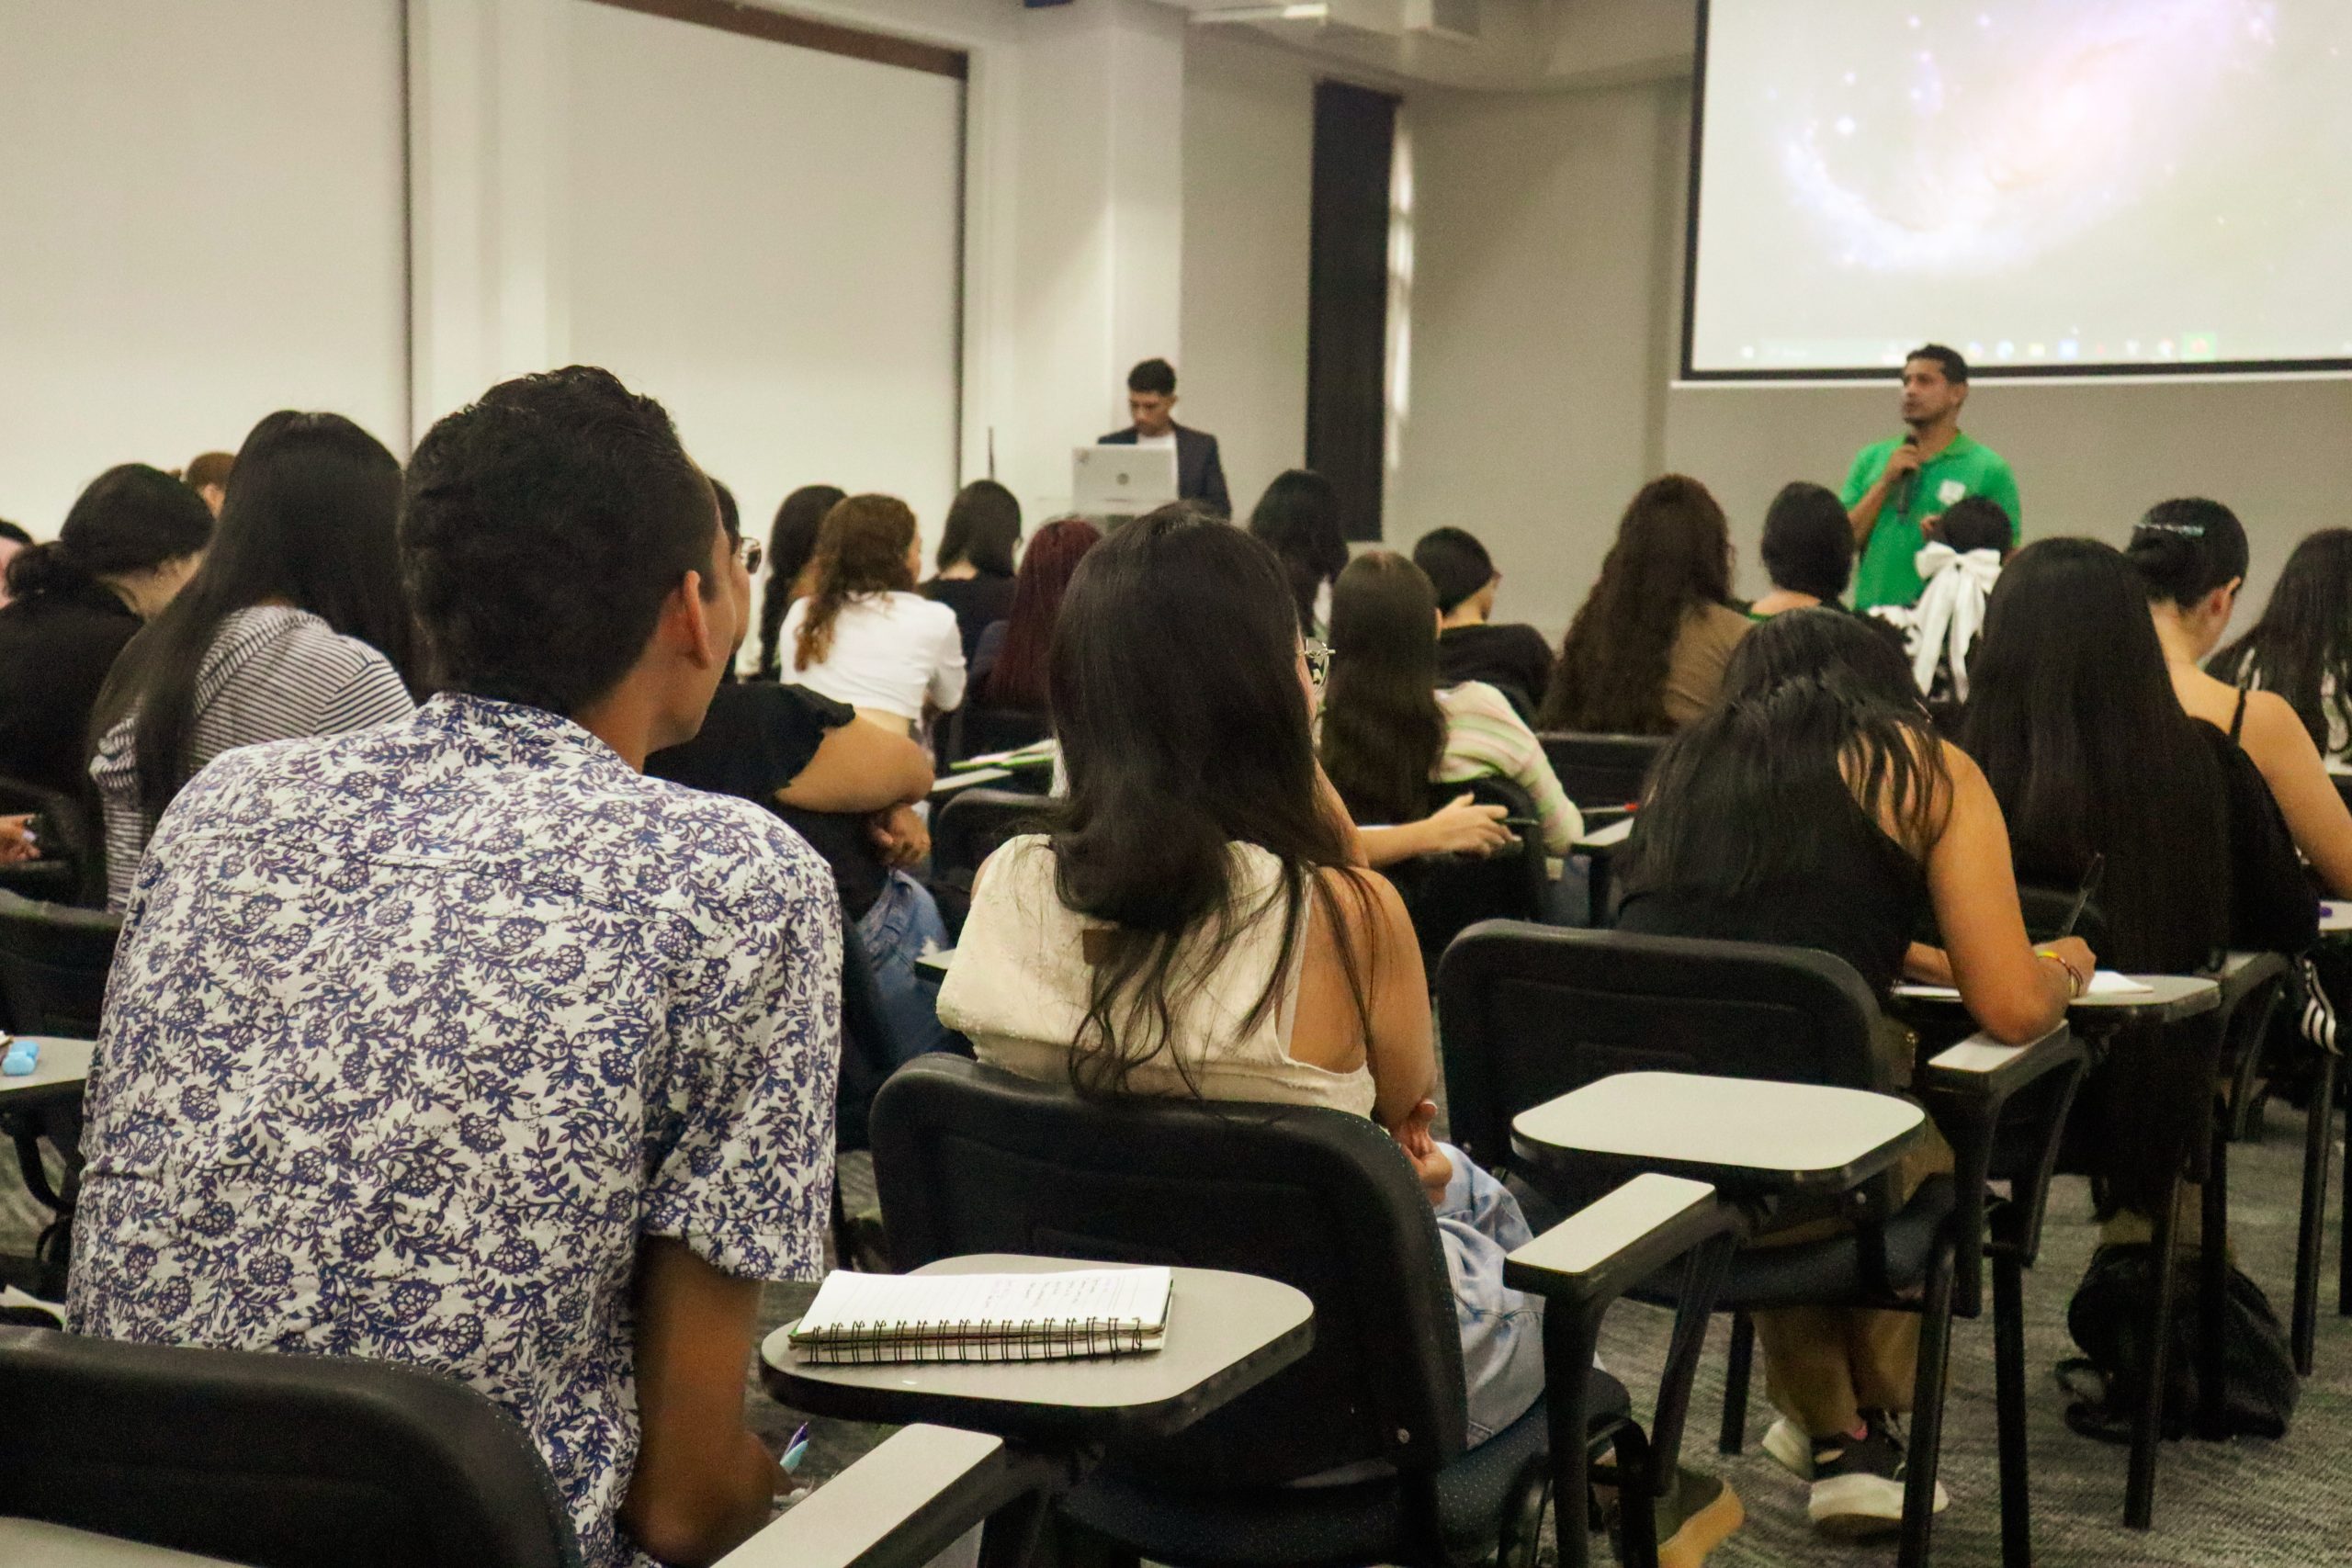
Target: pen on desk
[
  {"x": 796, "y": 1449},
  {"x": 2083, "y": 896}
]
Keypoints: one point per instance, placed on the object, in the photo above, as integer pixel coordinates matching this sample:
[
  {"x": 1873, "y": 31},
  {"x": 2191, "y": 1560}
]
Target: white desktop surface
[{"x": 62, "y": 1062}]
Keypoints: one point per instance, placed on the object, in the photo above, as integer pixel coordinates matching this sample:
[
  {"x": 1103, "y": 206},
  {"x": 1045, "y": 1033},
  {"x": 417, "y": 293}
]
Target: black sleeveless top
[{"x": 1862, "y": 900}]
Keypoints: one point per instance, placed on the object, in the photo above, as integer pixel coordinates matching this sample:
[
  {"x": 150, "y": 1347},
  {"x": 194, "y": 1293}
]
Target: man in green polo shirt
[{"x": 1899, "y": 483}]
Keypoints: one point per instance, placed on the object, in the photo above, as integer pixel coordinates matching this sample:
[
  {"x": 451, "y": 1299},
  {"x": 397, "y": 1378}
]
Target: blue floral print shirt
[{"x": 413, "y": 1035}]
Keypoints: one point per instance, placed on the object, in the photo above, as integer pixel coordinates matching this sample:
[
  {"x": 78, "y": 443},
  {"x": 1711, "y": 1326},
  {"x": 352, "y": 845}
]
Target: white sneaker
[
  {"x": 1790, "y": 1448},
  {"x": 1858, "y": 1483}
]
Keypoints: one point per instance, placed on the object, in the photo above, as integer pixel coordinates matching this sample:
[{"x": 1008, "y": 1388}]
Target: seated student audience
[
  {"x": 1514, "y": 660},
  {"x": 207, "y": 475},
  {"x": 2072, "y": 715},
  {"x": 2191, "y": 555},
  {"x": 1389, "y": 731},
  {"x": 1959, "y": 564},
  {"x": 849, "y": 789},
  {"x": 296, "y": 625},
  {"x": 976, "y": 550},
  {"x": 12, "y": 539},
  {"x": 792, "y": 541},
  {"x": 130, "y": 543},
  {"x": 1808, "y": 550},
  {"x": 862, "y": 636},
  {"x": 1813, "y": 806},
  {"x": 1209, "y": 932},
  {"x": 1646, "y": 650},
  {"x": 1010, "y": 669},
  {"x": 524, "y": 1070},
  {"x": 1298, "y": 518},
  {"x": 2302, "y": 647}
]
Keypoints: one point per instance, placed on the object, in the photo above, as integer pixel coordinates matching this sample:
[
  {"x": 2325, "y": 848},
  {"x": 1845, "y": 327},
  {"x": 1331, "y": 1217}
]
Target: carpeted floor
[{"x": 2247, "y": 1504}]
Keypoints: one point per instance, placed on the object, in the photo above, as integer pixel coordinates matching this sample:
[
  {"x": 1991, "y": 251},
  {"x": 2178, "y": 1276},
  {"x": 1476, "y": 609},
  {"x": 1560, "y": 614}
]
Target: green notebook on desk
[{"x": 874, "y": 1319}]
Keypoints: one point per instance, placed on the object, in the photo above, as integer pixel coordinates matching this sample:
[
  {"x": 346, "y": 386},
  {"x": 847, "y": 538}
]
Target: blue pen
[{"x": 796, "y": 1449}]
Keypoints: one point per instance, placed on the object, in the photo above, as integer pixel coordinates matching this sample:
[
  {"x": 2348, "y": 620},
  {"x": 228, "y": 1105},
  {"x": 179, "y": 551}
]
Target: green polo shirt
[{"x": 1967, "y": 466}]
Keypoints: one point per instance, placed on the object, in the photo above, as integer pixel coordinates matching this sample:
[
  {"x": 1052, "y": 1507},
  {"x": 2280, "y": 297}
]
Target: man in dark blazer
[{"x": 1151, "y": 398}]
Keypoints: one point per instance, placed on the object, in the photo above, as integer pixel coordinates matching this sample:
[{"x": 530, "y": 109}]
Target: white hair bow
[{"x": 1951, "y": 611}]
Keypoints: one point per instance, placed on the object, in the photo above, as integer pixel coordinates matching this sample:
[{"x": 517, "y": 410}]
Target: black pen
[{"x": 2090, "y": 886}]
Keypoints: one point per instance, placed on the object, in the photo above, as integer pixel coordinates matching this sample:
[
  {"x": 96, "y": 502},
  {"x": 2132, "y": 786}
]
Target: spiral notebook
[{"x": 1076, "y": 1314}]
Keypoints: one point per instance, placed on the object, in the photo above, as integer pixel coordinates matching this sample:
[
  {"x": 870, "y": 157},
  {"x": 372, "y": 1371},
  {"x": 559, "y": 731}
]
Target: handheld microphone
[{"x": 1909, "y": 484}]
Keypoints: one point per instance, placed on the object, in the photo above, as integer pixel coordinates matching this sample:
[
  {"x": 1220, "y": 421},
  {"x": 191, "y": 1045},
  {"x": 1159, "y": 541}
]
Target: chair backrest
[
  {"x": 1447, "y": 894},
  {"x": 1529, "y": 1012},
  {"x": 1603, "y": 770},
  {"x": 53, "y": 964},
  {"x": 981, "y": 730},
  {"x": 2046, "y": 910},
  {"x": 278, "y": 1460},
  {"x": 968, "y": 1159},
  {"x": 972, "y": 825}
]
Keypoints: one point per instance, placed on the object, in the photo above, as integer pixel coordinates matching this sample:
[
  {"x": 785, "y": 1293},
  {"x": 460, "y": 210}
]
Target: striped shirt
[
  {"x": 272, "y": 673},
  {"x": 1484, "y": 738}
]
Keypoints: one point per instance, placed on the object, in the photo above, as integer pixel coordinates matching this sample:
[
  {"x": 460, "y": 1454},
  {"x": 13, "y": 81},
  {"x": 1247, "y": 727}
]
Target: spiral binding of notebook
[{"x": 872, "y": 1320}]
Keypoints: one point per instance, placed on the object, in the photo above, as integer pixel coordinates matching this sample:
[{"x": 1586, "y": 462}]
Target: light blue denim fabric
[
  {"x": 1502, "y": 1330},
  {"x": 893, "y": 933}
]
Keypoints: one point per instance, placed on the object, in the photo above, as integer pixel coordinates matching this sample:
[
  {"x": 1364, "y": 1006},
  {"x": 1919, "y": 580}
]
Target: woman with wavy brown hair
[
  {"x": 1646, "y": 651},
  {"x": 862, "y": 636}
]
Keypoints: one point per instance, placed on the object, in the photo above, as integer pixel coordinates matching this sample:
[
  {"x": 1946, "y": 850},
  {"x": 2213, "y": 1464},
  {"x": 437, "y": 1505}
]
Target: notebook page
[
  {"x": 2104, "y": 983},
  {"x": 878, "y": 1300}
]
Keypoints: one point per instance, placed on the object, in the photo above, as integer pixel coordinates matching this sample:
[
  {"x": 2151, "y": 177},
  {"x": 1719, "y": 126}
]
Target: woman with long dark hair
[
  {"x": 976, "y": 550},
  {"x": 2191, "y": 556},
  {"x": 1646, "y": 650},
  {"x": 131, "y": 541},
  {"x": 1010, "y": 669},
  {"x": 862, "y": 636},
  {"x": 1813, "y": 806},
  {"x": 792, "y": 540},
  {"x": 1298, "y": 518},
  {"x": 1389, "y": 731},
  {"x": 296, "y": 625},
  {"x": 2302, "y": 647},
  {"x": 1195, "y": 922},
  {"x": 2072, "y": 717}
]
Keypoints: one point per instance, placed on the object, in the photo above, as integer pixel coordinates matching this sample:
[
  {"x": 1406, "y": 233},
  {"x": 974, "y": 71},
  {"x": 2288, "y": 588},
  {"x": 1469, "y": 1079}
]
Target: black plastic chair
[
  {"x": 280, "y": 1461},
  {"x": 972, "y": 1160},
  {"x": 975, "y": 731},
  {"x": 1446, "y": 895},
  {"x": 1601, "y": 770},
  {"x": 971, "y": 826},
  {"x": 1529, "y": 1013},
  {"x": 53, "y": 966}
]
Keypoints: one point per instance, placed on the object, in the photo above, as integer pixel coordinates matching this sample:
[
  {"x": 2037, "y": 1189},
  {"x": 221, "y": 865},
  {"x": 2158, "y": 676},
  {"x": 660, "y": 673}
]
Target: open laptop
[{"x": 1121, "y": 481}]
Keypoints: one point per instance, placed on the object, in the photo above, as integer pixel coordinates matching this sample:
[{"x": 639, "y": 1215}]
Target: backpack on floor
[{"x": 2109, "y": 1318}]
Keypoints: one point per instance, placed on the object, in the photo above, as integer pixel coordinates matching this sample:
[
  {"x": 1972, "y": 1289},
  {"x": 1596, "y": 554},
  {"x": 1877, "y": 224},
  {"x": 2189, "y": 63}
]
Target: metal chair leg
[
  {"x": 1927, "y": 1411},
  {"x": 2319, "y": 1128},
  {"x": 2148, "y": 1425},
  {"x": 1737, "y": 1372},
  {"x": 2213, "y": 1292},
  {"x": 2008, "y": 1407},
  {"x": 1567, "y": 1374}
]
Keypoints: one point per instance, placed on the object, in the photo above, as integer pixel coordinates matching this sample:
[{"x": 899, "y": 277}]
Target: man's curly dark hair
[{"x": 545, "y": 525}]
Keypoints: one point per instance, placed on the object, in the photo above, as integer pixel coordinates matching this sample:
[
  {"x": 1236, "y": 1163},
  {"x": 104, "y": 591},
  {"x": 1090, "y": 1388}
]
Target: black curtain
[{"x": 1346, "y": 310}]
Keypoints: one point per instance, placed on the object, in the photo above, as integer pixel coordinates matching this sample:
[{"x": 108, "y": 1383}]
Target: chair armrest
[
  {"x": 1607, "y": 1248},
  {"x": 1980, "y": 1068},
  {"x": 2242, "y": 974},
  {"x": 898, "y": 1506}
]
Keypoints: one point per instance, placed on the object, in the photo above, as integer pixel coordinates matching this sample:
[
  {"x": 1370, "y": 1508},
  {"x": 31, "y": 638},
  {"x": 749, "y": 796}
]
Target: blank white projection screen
[{"x": 2051, "y": 187}]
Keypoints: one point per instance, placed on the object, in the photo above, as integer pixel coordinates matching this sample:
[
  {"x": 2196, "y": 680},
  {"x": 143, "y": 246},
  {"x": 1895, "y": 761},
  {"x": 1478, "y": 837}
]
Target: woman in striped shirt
[
  {"x": 297, "y": 624},
  {"x": 1389, "y": 732}
]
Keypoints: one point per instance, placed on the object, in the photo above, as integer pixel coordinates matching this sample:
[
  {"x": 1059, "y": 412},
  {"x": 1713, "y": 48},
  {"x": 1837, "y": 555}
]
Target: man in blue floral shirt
[{"x": 457, "y": 1042}]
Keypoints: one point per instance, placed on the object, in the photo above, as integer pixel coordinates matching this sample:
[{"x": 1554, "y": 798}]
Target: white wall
[
  {"x": 200, "y": 222},
  {"x": 1546, "y": 330},
  {"x": 768, "y": 238},
  {"x": 1249, "y": 167}
]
